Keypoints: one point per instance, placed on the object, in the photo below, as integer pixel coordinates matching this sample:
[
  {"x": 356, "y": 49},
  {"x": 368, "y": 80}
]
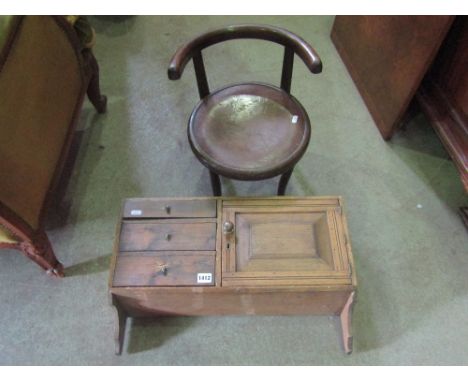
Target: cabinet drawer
[
  {"x": 169, "y": 208},
  {"x": 168, "y": 235},
  {"x": 165, "y": 269}
]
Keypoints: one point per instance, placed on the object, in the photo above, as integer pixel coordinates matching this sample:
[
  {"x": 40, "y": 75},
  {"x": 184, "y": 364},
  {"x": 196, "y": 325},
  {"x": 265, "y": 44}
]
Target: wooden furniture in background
[
  {"x": 45, "y": 73},
  {"x": 248, "y": 131},
  {"x": 394, "y": 60},
  {"x": 232, "y": 256},
  {"x": 387, "y": 57},
  {"x": 443, "y": 95}
]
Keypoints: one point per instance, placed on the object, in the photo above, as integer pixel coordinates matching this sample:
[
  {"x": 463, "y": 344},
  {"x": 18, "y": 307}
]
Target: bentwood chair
[{"x": 248, "y": 131}]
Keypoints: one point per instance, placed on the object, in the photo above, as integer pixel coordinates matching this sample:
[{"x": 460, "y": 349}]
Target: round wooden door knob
[{"x": 228, "y": 227}]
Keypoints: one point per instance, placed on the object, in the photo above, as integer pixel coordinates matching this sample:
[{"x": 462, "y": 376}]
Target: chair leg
[
  {"x": 215, "y": 184},
  {"x": 98, "y": 100},
  {"x": 40, "y": 251},
  {"x": 283, "y": 183}
]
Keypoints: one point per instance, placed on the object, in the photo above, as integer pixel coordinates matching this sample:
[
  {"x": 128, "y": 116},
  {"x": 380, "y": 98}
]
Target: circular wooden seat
[{"x": 249, "y": 131}]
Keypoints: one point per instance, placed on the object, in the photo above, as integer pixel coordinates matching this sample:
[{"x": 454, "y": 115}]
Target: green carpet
[{"x": 410, "y": 245}]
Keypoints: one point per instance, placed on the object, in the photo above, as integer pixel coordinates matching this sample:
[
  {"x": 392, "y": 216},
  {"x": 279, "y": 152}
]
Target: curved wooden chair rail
[{"x": 291, "y": 42}]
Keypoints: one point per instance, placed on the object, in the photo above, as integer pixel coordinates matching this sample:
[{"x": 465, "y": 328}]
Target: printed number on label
[{"x": 204, "y": 278}]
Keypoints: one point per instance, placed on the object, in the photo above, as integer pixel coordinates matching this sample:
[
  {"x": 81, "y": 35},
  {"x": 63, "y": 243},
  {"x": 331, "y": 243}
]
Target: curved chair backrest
[{"x": 291, "y": 42}]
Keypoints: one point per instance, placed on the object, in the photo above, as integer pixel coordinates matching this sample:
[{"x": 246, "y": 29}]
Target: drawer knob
[
  {"x": 162, "y": 269},
  {"x": 167, "y": 209},
  {"x": 168, "y": 237},
  {"x": 228, "y": 227}
]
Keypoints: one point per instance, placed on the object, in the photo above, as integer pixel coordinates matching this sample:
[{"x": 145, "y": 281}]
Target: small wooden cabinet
[{"x": 231, "y": 256}]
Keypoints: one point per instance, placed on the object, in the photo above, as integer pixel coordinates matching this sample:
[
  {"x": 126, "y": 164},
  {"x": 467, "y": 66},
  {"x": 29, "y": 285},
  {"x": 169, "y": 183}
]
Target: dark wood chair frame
[
  {"x": 34, "y": 243},
  {"x": 292, "y": 43}
]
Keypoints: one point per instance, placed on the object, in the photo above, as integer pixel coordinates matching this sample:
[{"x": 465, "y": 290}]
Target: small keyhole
[{"x": 228, "y": 245}]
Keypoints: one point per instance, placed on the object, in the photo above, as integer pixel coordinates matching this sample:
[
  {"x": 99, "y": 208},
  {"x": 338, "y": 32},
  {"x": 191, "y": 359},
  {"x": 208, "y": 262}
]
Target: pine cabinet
[{"x": 232, "y": 256}]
